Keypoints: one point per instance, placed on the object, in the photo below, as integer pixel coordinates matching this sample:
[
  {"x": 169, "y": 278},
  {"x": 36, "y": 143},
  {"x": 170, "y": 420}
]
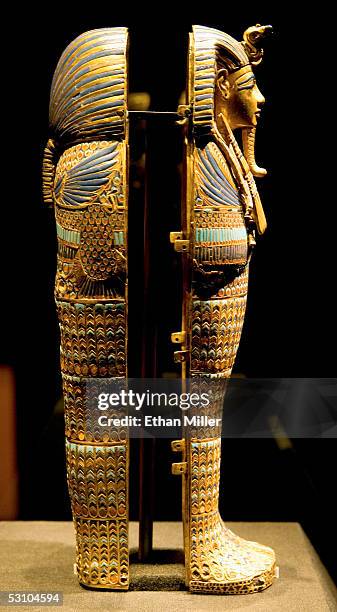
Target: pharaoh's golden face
[{"x": 239, "y": 97}]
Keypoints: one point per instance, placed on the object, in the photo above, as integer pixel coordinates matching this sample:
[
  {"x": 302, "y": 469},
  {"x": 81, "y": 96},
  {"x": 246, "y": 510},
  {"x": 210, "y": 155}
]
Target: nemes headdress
[
  {"x": 211, "y": 48},
  {"x": 89, "y": 89}
]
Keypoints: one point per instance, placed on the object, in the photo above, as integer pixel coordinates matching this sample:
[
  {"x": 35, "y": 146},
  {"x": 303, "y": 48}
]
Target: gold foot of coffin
[{"x": 217, "y": 560}]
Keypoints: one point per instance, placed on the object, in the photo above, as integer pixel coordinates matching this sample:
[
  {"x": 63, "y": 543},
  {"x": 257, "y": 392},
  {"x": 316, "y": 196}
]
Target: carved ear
[{"x": 223, "y": 82}]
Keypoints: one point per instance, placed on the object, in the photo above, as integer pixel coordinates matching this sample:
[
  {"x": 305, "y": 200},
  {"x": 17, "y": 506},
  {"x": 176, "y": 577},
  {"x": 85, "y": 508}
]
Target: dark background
[{"x": 290, "y": 318}]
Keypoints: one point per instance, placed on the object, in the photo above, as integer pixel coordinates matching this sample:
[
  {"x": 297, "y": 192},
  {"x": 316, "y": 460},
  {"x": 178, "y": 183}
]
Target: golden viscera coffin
[{"x": 85, "y": 178}]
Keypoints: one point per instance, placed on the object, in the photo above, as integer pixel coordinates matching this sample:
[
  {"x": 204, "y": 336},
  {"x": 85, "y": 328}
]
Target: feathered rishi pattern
[{"x": 79, "y": 184}]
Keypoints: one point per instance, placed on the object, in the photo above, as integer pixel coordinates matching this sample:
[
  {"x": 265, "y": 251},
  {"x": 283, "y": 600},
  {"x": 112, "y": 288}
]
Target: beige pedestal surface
[{"x": 39, "y": 556}]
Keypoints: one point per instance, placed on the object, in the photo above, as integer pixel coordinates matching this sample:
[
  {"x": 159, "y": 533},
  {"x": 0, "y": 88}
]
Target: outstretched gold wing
[{"x": 82, "y": 182}]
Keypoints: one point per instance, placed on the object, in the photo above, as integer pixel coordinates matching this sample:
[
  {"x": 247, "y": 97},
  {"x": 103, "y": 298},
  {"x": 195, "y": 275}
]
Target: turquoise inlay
[
  {"x": 91, "y": 449},
  {"x": 119, "y": 238},
  {"x": 223, "y": 234},
  {"x": 79, "y": 306},
  {"x": 67, "y": 235}
]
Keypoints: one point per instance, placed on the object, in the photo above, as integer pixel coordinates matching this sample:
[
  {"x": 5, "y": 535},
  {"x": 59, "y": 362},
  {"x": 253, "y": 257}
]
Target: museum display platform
[{"x": 39, "y": 556}]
